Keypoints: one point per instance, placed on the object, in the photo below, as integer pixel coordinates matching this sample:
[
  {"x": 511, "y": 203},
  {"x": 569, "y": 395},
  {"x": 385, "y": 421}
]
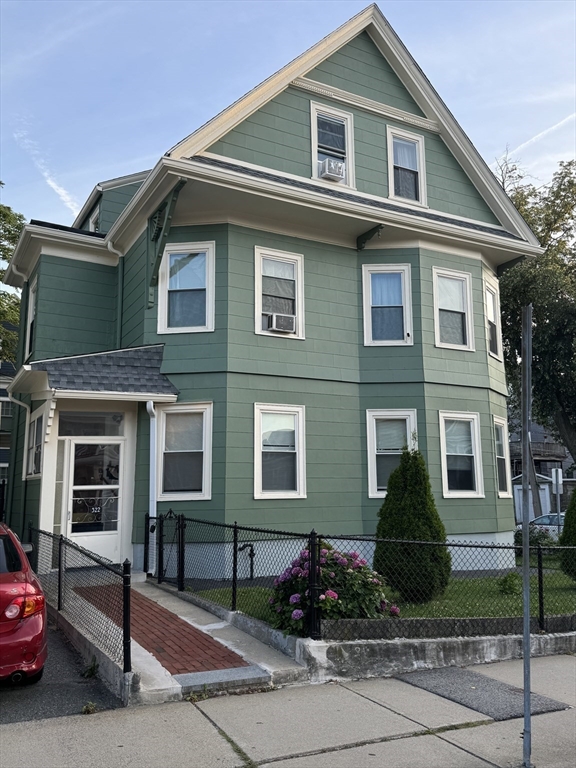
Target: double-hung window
[
  {"x": 502, "y": 453},
  {"x": 186, "y": 288},
  {"x": 461, "y": 455},
  {"x": 332, "y": 145},
  {"x": 34, "y": 444},
  {"x": 493, "y": 320},
  {"x": 31, "y": 317},
  {"x": 388, "y": 433},
  {"x": 453, "y": 309},
  {"x": 387, "y": 304},
  {"x": 279, "y": 451},
  {"x": 406, "y": 166},
  {"x": 279, "y": 292},
  {"x": 185, "y": 455}
]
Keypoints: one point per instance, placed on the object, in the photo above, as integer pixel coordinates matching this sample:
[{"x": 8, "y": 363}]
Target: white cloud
[{"x": 32, "y": 149}]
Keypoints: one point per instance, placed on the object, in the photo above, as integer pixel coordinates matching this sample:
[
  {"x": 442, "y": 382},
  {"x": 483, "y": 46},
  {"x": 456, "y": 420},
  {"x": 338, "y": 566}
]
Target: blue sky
[{"x": 93, "y": 89}]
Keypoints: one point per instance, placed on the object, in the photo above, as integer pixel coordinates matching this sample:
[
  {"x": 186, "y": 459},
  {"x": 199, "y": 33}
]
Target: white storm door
[{"x": 95, "y": 496}]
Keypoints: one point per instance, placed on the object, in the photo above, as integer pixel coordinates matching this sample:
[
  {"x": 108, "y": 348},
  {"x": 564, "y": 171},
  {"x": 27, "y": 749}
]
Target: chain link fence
[
  {"x": 92, "y": 592},
  {"x": 401, "y": 589}
]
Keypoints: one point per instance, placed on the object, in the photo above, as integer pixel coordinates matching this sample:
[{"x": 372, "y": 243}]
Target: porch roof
[{"x": 132, "y": 374}]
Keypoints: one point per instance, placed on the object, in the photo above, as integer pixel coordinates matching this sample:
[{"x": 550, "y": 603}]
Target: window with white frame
[
  {"x": 94, "y": 221},
  {"x": 502, "y": 453},
  {"x": 406, "y": 166},
  {"x": 279, "y": 451},
  {"x": 185, "y": 452},
  {"x": 461, "y": 455},
  {"x": 6, "y": 407},
  {"x": 493, "y": 320},
  {"x": 453, "y": 320},
  {"x": 35, "y": 440},
  {"x": 332, "y": 145},
  {"x": 186, "y": 288},
  {"x": 31, "y": 318},
  {"x": 279, "y": 293},
  {"x": 388, "y": 432},
  {"x": 387, "y": 304}
]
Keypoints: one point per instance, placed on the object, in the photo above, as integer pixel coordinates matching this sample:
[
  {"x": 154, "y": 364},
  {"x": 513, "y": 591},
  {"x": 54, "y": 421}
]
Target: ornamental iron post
[
  {"x": 60, "y": 572},
  {"x": 313, "y": 613},
  {"x": 234, "y": 566},
  {"x": 126, "y": 571},
  {"x": 181, "y": 523},
  {"x": 541, "y": 617},
  {"x": 146, "y": 541},
  {"x": 160, "y": 559}
]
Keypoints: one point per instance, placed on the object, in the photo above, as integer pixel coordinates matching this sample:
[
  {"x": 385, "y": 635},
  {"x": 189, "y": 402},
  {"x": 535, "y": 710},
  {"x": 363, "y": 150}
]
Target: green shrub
[
  {"x": 511, "y": 584},
  {"x": 417, "y": 573},
  {"x": 568, "y": 539},
  {"x": 537, "y": 536}
]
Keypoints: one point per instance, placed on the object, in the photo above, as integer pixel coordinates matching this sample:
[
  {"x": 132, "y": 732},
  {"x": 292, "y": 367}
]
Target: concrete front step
[{"x": 240, "y": 678}]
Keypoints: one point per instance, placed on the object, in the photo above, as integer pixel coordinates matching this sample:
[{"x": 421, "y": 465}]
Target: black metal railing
[
  {"x": 90, "y": 590},
  {"x": 430, "y": 589}
]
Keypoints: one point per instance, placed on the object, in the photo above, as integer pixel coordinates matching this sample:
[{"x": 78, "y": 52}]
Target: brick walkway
[{"x": 178, "y": 646}]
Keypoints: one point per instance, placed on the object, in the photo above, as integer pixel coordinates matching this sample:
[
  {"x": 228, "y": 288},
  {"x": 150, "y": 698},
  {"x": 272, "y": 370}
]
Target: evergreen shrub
[
  {"x": 418, "y": 573},
  {"x": 568, "y": 539}
]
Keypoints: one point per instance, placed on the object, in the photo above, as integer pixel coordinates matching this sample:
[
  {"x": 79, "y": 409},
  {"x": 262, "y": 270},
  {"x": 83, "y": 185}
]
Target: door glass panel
[
  {"x": 95, "y": 510},
  {"x": 96, "y": 464}
]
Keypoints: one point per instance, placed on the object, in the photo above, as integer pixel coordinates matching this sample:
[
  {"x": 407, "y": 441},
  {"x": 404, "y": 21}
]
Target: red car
[{"x": 23, "y": 628}]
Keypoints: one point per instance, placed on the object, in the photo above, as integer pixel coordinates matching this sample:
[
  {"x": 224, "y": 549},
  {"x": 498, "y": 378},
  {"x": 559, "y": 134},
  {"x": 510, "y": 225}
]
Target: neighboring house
[
  {"x": 252, "y": 330},
  {"x": 7, "y": 372}
]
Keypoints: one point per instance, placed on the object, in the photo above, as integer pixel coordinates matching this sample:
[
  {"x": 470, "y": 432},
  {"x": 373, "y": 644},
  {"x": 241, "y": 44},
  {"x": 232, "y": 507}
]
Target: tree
[
  {"x": 548, "y": 282},
  {"x": 568, "y": 539},
  {"x": 418, "y": 572},
  {"x": 11, "y": 224}
]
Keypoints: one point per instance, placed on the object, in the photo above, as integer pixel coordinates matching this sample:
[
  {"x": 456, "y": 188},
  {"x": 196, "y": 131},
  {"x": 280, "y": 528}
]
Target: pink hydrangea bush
[{"x": 349, "y": 589}]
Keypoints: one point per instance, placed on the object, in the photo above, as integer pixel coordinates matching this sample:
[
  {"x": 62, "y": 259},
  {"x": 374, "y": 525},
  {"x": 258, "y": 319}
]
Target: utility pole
[{"x": 526, "y": 459}]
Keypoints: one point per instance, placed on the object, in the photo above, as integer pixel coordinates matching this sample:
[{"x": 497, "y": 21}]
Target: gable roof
[{"x": 372, "y": 21}]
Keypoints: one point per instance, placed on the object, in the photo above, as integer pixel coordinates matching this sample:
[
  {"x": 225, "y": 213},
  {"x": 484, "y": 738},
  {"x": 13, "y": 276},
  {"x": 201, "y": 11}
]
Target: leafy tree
[
  {"x": 418, "y": 572},
  {"x": 548, "y": 282},
  {"x": 568, "y": 539},
  {"x": 11, "y": 224}
]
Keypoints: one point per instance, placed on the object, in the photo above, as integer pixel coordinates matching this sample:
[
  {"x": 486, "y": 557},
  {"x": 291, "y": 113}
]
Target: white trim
[
  {"x": 507, "y": 494},
  {"x": 139, "y": 397},
  {"x": 392, "y": 133},
  {"x": 96, "y": 193},
  {"x": 317, "y": 109},
  {"x": 295, "y": 410},
  {"x": 206, "y": 493},
  {"x": 293, "y": 258},
  {"x": 474, "y": 420},
  {"x": 361, "y": 102},
  {"x": 372, "y": 416},
  {"x": 466, "y": 278},
  {"x": 94, "y": 220},
  {"x": 30, "y": 317},
  {"x": 405, "y": 271},
  {"x": 209, "y": 247},
  {"x": 491, "y": 285},
  {"x": 42, "y": 411}
]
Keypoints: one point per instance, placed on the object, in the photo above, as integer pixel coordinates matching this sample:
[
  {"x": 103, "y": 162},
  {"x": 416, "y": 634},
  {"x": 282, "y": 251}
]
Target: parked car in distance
[
  {"x": 23, "y": 627},
  {"x": 548, "y": 523}
]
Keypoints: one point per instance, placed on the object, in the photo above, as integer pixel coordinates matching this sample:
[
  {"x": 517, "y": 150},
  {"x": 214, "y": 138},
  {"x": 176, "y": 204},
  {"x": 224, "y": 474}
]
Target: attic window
[
  {"x": 406, "y": 168},
  {"x": 332, "y": 145},
  {"x": 94, "y": 221}
]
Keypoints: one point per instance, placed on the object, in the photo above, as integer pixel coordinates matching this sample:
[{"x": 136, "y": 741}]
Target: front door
[{"x": 95, "y": 495}]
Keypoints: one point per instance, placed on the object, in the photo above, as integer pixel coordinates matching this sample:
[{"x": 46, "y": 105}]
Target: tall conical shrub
[
  {"x": 418, "y": 572},
  {"x": 568, "y": 539}
]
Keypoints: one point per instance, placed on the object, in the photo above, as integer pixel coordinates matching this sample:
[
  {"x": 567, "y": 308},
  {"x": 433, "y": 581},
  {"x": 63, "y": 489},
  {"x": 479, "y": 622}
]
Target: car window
[{"x": 9, "y": 557}]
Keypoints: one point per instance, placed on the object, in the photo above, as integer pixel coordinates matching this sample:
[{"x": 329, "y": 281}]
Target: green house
[{"x": 252, "y": 330}]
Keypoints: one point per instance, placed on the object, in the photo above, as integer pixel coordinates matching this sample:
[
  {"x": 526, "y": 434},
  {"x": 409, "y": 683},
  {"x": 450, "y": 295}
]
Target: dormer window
[
  {"x": 332, "y": 145},
  {"x": 406, "y": 169},
  {"x": 94, "y": 221}
]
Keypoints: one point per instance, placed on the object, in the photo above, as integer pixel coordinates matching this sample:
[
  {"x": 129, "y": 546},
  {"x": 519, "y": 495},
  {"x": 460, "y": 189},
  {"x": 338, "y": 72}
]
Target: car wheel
[{"x": 31, "y": 679}]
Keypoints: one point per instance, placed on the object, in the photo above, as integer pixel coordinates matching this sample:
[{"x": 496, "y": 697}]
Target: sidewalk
[{"x": 378, "y": 722}]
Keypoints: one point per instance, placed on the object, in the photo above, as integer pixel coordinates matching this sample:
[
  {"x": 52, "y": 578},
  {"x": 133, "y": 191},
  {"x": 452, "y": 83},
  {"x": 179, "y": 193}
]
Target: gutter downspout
[
  {"x": 13, "y": 465},
  {"x": 119, "y": 293},
  {"x": 152, "y": 486}
]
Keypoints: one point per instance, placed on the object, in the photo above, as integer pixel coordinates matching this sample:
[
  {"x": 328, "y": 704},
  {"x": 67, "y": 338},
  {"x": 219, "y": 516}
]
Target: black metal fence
[
  {"x": 92, "y": 592},
  {"x": 429, "y": 589}
]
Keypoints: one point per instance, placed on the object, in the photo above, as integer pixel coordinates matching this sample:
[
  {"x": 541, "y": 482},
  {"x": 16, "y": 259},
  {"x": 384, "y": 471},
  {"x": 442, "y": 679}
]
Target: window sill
[
  {"x": 378, "y": 495},
  {"x": 502, "y": 495},
  {"x": 184, "y": 497},
  {"x": 406, "y": 343},
  {"x": 334, "y": 184},
  {"x": 280, "y": 495},
  {"x": 462, "y": 495},
  {"x": 192, "y": 329},
  {"x": 280, "y": 335},
  {"x": 457, "y": 347},
  {"x": 495, "y": 357},
  {"x": 408, "y": 203}
]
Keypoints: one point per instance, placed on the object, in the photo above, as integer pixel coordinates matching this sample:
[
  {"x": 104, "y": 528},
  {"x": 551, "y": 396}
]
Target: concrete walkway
[{"x": 378, "y": 722}]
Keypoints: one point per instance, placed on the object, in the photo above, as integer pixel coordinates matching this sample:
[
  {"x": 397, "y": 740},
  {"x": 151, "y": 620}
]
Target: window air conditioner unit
[
  {"x": 282, "y": 323},
  {"x": 334, "y": 169}
]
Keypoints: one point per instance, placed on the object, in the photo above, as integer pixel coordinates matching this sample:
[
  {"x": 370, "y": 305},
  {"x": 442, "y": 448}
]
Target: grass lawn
[{"x": 464, "y": 598}]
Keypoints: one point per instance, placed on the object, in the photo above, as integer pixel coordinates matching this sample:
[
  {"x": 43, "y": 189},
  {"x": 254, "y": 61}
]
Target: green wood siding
[
  {"x": 360, "y": 68},
  {"x": 113, "y": 202},
  {"x": 76, "y": 308},
  {"x": 134, "y": 293}
]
